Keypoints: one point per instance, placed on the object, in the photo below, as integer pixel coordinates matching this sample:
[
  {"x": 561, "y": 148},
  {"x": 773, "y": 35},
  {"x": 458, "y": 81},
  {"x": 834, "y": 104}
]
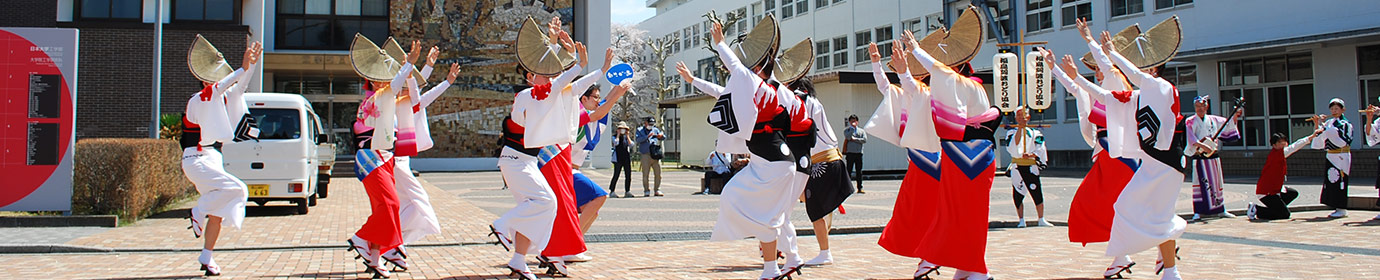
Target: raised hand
[
  {"x": 583, "y": 54},
  {"x": 608, "y": 59},
  {"x": 1083, "y": 30},
  {"x": 416, "y": 51},
  {"x": 898, "y": 58},
  {"x": 251, "y": 55},
  {"x": 432, "y": 56},
  {"x": 1106, "y": 37},
  {"x": 1107, "y": 45},
  {"x": 1069, "y": 68},
  {"x": 717, "y": 33},
  {"x": 1048, "y": 55},
  {"x": 872, "y": 52},
  {"x": 910, "y": 40},
  {"x": 620, "y": 89},
  {"x": 684, "y": 72},
  {"x": 454, "y": 72}
]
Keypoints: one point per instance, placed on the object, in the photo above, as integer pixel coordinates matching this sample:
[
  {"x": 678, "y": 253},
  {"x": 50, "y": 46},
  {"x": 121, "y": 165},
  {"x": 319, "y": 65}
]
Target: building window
[
  {"x": 700, "y": 35},
  {"x": 802, "y": 7},
  {"x": 742, "y": 23},
  {"x": 838, "y": 1},
  {"x": 1127, "y": 7},
  {"x": 1039, "y": 15},
  {"x": 822, "y": 55},
  {"x": 1003, "y": 12},
  {"x": 1074, "y": 10},
  {"x": 675, "y": 42},
  {"x": 883, "y": 37},
  {"x": 1165, "y": 4},
  {"x": 757, "y": 11},
  {"x": 1278, "y": 95},
  {"x": 686, "y": 38},
  {"x": 820, "y": 4},
  {"x": 1368, "y": 60},
  {"x": 787, "y": 8},
  {"x": 206, "y": 10},
  {"x": 329, "y": 25},
  {"x": 111, "y": 9},
  {"x": 915, "y": 25},
  {"x": 841, "y": 51},
  {"x": 771, "y": 6},
  {"x": 860, "y": 43},
  {"x": 1184, "y": 78}
]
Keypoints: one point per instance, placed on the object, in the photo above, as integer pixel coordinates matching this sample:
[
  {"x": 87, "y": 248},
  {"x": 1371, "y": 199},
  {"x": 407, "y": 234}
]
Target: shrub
[{"x": 130, "y": 178}]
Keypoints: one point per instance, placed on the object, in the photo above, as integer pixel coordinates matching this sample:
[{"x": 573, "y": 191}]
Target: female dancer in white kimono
[
  {"x": 965, "y": 123},
  {"x": 753, "y": 113},
  {"x": 532, "y": 140},
  {"x": 1144, "y": 124},
  {"x": 417, "y": 217},
  {"x": 377, "y": 135},
  {"x": 210, "y": 120},
  {"x": 1336, "y": 139}
]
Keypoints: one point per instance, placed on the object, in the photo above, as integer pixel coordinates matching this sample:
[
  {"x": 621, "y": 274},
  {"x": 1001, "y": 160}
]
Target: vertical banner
[
  {"x": 38, "y": 69},
  {"x": 1039, "y": 82},
  {"x": 1006, "y": 83}
]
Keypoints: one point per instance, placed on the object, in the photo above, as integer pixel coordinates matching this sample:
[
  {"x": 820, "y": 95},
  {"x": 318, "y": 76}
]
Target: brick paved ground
[
  {"x": 1222, "y": 249},
  {"x": 330, "y": 223}
]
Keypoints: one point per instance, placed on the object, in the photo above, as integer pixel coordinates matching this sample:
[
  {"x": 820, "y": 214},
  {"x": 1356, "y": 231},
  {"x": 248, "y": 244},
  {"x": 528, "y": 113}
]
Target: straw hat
[
  {"x": 623, "y": 125},
  {"x": 371, "y": 62},
  {"x": 795, "y": 61},
  {"x": 396, "y": 51},
  {"x": 953, "y": 47},
  {"x": 759, "y": 44},
  {"x": 535, "y": 53},
  {"x": 1155, "y": 46},
  {"x": 207, "y": 63},
  {"x": 1120, "y": 39}
]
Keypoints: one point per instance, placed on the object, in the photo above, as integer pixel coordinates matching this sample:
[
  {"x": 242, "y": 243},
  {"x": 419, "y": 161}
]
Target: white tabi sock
[
  {"x": 771, "y": 265},
  {"x": 1170, "y": 273},
  {"x": 518, "y": 262},
  {"x": 205, "y": 257}
]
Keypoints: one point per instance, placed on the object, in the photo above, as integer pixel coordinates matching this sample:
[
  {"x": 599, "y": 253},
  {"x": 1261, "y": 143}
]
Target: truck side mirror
[{"x": 321, "y": 138}]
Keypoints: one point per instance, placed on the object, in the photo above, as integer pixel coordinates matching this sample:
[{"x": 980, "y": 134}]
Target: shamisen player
[{"x": 216, "y": 115}]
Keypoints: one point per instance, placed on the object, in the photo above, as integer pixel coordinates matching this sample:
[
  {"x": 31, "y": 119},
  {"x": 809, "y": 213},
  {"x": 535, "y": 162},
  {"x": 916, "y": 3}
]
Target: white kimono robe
[
  {"x": 1145, "y": 209},
  {"x": 753, "y": 202},
  {"x": 1207, "y": 171},
  {"x": 1336, "y": 139},
  {"x": 552, "y": 122},
  {"x": 1032, "y": 142},
  {"x": 415, "y": 213},
  {"x": 222, "y": 194}
]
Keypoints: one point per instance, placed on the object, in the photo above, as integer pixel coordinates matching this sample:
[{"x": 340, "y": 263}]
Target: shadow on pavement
[
  {"x": 1370, "y": 223},
  {"x": 328, "y": 275},
  {"x": 1316, "y": 219},
  {"x": 250, "y": 211},
  {"x": 190, "y": 276},
  {"x": 723, "y": 269}
]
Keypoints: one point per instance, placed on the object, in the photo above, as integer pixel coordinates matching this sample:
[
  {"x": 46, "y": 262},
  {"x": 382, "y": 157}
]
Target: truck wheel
[
  {"x": 311, "y": 201},
  {"x": 321, "y": 190},
  {"x": 301, "y": 206}
]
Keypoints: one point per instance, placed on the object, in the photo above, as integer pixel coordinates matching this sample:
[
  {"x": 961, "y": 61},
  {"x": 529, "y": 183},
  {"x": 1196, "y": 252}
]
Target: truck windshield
[{"x": 276, "y": 124}]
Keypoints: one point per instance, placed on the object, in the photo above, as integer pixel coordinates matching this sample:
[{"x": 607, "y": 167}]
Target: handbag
[{"x": 656, "y": 152}]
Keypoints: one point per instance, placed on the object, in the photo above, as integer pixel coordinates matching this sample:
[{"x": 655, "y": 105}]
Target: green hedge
[{"x": 130, "y": 178}]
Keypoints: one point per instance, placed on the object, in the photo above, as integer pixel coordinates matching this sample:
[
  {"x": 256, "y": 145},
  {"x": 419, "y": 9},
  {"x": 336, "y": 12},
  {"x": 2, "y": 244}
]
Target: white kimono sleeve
[
  {"x": 1296, "y": 146},
  {"x": 707, "y": 87},
  {"x": 1155, "y": 93},
  {"x": 887, "y": 120},
  {"x": 1085, "y": 106},
  {"x": 555, "y": 119},
  {"x": 735, "y": 113},
  {"x": 386, "y": 122},
  {"x": 1121, "y": 121},
  {"x": 1373, "y": 134}
]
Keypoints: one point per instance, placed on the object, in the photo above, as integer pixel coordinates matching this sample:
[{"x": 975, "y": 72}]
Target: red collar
[{"x": 540, "y": 92}]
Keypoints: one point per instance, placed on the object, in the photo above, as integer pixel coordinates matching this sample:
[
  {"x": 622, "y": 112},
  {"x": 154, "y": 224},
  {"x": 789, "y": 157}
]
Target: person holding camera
[{"x": 649, "y": 146}]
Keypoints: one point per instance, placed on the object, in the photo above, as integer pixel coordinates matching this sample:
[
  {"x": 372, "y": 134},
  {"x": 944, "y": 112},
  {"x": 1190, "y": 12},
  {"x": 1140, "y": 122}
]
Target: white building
[
  {"x": 1287, "y": 57},
  {"x": 841, "y": 30}
]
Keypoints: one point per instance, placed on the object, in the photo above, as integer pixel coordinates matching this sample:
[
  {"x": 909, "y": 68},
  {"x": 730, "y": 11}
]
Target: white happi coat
[
  {"x": 1145, "y": 209},
  {"x": 753, "y": 201},
  {"x": 222, "y": 194},
  {"x": 552, "y": 122}
]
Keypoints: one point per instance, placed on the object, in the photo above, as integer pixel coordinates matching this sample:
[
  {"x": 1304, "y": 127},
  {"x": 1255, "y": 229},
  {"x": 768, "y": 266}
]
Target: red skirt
[
  {"x": 382, "y": 228},
  {"x": 915, "y": 209},
  {"x": 566, "y": 238},
  {"x": 1090, "y": 213},
  {"x": 959, "y": 236}
]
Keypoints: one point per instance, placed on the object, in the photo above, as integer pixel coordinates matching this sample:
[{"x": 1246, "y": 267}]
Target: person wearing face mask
[{"x": 1335, "y": 137}]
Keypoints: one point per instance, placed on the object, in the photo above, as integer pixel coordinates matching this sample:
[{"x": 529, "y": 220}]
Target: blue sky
[{"x": 630, "y": 11}]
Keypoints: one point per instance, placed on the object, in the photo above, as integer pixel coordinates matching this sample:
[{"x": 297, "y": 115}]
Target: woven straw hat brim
[
  {"x": 795, "y": 62},
  {"x": 396, "y": 51},
  {"x": 1155, "y": 46},
  {"x": 957, "y": 45},
  {"x": 759, "y": 44},
  {"x": 207, "y": 63},
  {"x": 371, "y": 62},
  {"x": 1120, "y": 39},
  {"x": 535, "y": 53}
]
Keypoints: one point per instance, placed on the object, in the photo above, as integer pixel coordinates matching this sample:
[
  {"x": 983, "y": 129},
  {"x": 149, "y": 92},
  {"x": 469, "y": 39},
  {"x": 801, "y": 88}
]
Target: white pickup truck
[{"x": 284, "y": 164}]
